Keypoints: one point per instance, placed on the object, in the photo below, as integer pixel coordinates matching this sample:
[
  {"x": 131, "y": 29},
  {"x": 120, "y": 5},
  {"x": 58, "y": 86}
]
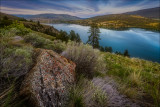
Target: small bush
[
  {"x": 35, "y": 40},
  {"x": 41, "y": 42},
  {"x": 87, "y": 59},
  {"x": 100, "y": 98},
  {"x": 59, "y": 46}
]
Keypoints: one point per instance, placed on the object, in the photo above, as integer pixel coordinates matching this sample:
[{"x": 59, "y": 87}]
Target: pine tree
[
  {"x": 38, "y": 23},
  {"x": 74, "y": 36},
  {"x": 126, "y": 53},
  {"x": 63, "y": 36},
  {"x": 94, "y": 37},
  {"x": 108, "y": 49},
  {"x": 78, "y": 39}
]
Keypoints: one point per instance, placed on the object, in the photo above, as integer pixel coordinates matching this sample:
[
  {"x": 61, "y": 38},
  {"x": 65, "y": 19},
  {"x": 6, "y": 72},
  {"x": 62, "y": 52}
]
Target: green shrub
[
  {"x": 59, "y": 46},
  {"x": 14, "y": 61},
  {"x": 45, "y": 36},
  {"x": 8, "y": 33},
  {"x": 34, "y": 39},
  {"x": 41, "y": 42},
  {"x": 88, "y": 60},
  {"x": 21, "y": 29}
]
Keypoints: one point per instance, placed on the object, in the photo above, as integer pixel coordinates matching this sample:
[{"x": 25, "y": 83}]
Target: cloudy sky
[{"x": 81, "y": 8}]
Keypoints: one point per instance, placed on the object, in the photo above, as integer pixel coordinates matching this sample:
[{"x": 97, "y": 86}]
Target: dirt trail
[{"x": 115, "y": 99}]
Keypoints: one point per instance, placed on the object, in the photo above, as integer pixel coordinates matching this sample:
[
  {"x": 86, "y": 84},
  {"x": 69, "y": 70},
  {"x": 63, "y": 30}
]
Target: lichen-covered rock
[{"x": 46, "y": 84}]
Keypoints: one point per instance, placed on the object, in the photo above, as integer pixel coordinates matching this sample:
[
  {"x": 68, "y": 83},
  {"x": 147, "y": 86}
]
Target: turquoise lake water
[{"x": 140, "y": 43}]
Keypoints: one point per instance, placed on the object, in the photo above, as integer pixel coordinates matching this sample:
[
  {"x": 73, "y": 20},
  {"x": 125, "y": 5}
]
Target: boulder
[{"x": 47, "y": 83}]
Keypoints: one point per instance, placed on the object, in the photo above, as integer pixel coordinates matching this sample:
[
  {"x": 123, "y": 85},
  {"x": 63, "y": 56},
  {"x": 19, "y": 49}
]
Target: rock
[
  {"x": 17, "y": 38},
  {"x": 47, "y": 83}
]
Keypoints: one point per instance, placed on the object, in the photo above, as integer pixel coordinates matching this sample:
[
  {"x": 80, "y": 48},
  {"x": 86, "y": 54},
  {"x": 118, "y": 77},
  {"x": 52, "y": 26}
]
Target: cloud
[
  {"x": 81, "y": 8},
  {"x": 30, "y": 11}
]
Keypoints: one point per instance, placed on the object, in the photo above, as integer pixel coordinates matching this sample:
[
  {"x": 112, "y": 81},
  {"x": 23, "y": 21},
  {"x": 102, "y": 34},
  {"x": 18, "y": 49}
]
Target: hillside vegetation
[
  {"x": 150, "y": 13},
  {"x": 6, "y": 20},
  {"x": 121, "y": 22},
  {"x": 138, "y": 79}
]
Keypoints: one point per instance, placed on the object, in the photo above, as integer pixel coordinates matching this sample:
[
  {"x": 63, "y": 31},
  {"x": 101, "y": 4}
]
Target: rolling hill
[
  {"x": 11, "y": 17},
  {"x": 29, "y": 24},
  {"x": 121, "y": 22},
  {"x": 50, "y": 18},
  {"x": 150, "y": 13}
]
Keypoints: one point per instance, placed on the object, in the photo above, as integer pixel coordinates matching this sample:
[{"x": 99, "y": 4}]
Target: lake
[{"x": 140, "y": 43}]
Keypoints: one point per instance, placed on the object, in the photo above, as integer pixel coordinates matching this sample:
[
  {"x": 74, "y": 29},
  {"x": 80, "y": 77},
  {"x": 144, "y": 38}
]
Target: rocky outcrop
[{"x": 47, "y": 83}]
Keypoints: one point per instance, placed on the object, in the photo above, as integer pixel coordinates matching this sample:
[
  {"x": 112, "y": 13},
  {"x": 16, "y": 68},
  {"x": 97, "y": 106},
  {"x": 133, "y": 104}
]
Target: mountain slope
[
  {"x": 50, "y": 18},
  {"x": 121, "y": 22},
  {"x": 150, "y": 13}
]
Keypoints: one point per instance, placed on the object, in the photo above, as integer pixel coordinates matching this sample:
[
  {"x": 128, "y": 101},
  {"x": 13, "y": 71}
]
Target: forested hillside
[{"x": 121, "y": 22}]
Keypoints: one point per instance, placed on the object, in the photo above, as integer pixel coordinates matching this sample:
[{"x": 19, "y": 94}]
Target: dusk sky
[{"x": 80, "y": 8}]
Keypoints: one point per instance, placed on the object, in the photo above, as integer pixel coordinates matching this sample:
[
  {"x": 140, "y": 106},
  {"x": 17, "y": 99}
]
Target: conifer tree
[
  {"x": 94, "y": 37},
  {"x": 126, "y": 53}
]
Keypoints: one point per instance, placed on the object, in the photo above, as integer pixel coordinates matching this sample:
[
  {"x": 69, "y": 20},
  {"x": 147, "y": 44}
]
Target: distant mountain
[
  {"x": 146, "y": 19},
  {"x": 150, "y": 13},
  {"x": 22, "y": 16},
  {"x": 50, "y": 18}
]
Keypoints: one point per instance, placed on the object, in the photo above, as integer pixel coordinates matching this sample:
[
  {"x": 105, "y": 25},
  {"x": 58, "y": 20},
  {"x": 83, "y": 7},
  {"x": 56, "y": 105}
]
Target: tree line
[{"x": 64, "y": 36}]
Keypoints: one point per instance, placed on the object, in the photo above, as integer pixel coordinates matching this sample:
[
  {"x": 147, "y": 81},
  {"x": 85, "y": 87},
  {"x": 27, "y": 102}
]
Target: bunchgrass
[
  {"x": 138, "y": 79},
  {"x": 100, "y": 98}
]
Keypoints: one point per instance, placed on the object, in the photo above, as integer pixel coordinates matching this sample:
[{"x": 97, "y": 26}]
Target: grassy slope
[
  {"x": 121, "y": 22},
  {"x": 32, "y": 25},
  {"x": 138, "y": 79}
]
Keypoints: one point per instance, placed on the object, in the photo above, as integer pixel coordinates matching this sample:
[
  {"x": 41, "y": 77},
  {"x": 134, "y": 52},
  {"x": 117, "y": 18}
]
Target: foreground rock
[{"x": 46, "y": 84}]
